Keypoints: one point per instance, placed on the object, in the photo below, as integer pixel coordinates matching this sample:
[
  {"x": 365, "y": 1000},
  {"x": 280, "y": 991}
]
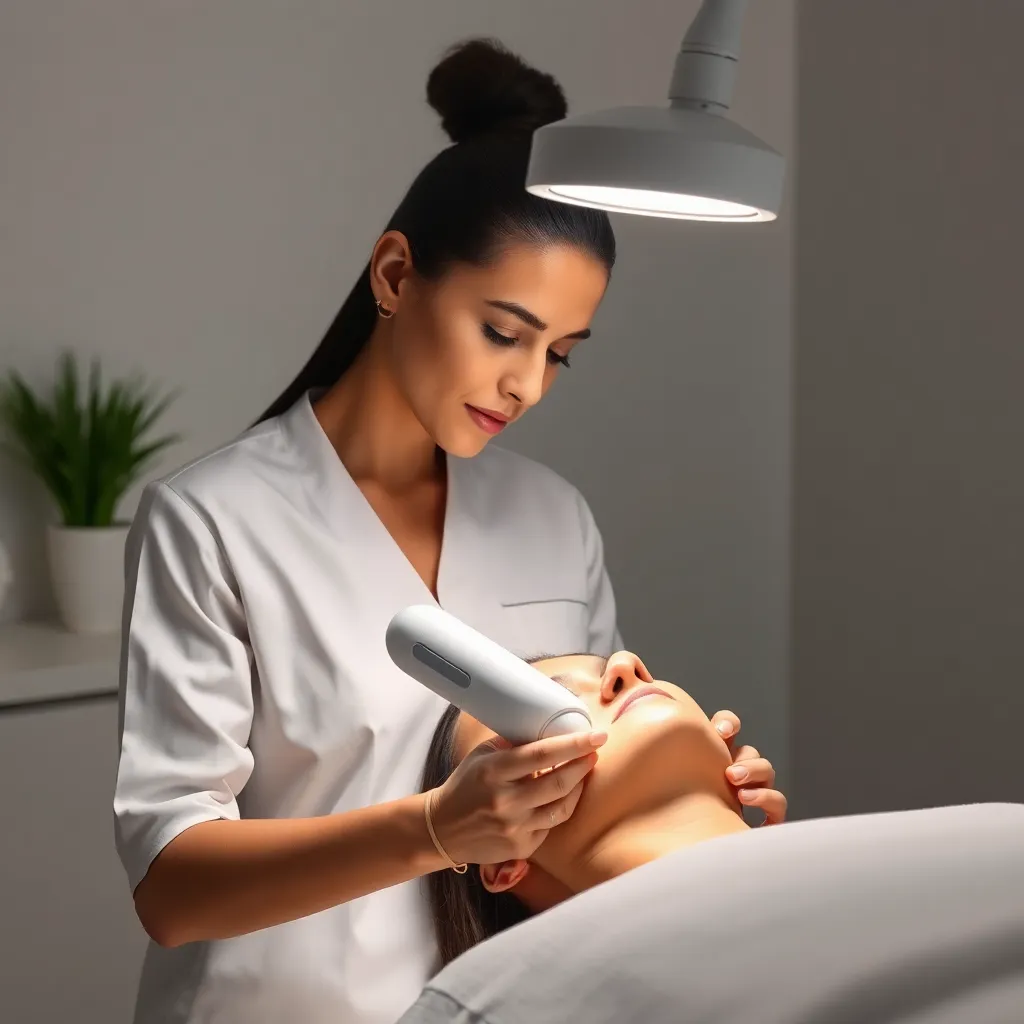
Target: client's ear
[{"x": 504, "y": 876}]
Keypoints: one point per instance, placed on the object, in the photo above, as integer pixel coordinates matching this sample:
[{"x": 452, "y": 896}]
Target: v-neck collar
[{"x": 347, "y": 512}]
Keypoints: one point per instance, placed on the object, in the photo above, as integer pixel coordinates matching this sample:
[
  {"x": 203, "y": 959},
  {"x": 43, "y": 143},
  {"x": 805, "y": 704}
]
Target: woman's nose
[
  {"x": 623, "y": 673},
  {"x": 526, "y": 384}
]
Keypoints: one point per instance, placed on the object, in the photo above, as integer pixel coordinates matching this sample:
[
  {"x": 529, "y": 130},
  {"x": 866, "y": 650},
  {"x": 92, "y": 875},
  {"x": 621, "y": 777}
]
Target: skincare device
[{"x": 479, "y": 676}]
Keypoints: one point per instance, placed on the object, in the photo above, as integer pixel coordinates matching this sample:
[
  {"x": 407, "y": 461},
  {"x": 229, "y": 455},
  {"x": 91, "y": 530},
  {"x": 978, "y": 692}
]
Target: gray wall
[
  {"x": 190, "y": 189},
  {"x": 908, "y": 616}
]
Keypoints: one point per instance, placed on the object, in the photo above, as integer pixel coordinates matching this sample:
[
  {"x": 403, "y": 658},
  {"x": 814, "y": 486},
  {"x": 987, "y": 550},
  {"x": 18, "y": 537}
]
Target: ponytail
[{"x": 345, "y": 339}]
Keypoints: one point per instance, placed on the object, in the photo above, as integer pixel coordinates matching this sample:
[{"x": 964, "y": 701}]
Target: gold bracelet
[{"x": 459, "y": 869}]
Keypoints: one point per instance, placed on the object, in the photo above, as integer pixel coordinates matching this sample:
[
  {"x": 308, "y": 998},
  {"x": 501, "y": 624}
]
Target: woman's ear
[
  {"x": 390, "y": 263},
  {"x": 504, "y": 876}
]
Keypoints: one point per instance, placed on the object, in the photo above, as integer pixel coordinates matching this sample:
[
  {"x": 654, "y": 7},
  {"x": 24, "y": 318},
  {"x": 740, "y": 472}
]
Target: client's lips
[{"x": 644, "y": 691}]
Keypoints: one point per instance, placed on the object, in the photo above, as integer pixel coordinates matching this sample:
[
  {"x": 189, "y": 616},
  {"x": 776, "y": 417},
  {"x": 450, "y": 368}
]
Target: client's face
[{"x": 661, "y": 747}]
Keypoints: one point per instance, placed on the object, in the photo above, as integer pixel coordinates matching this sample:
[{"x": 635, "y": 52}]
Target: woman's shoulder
[{"x": 231, "y": 478}]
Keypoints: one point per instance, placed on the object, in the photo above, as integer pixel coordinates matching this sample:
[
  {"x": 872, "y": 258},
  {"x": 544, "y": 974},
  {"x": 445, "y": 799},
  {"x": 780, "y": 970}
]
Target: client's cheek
[{"x": 599, "y": 807}]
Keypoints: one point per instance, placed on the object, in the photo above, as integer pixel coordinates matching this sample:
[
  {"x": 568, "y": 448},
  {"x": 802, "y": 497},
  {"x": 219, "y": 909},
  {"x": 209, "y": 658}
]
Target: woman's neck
[
  {"x": 687, "y": 820},
  {"x": 376, "y": 435}
]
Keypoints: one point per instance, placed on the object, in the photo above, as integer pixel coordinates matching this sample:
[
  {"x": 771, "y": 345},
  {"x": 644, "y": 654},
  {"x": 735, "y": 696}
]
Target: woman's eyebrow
[
  {"x": 522, "y": 312},
  {"x": 531, "y": 319}
]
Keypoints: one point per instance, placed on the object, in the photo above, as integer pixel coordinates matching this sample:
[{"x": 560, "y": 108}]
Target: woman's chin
[{"x": 461, "y": 445}]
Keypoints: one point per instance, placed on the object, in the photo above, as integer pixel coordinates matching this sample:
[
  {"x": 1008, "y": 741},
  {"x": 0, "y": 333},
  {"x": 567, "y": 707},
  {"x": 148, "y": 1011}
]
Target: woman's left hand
[{"x": 751, "y": 774}]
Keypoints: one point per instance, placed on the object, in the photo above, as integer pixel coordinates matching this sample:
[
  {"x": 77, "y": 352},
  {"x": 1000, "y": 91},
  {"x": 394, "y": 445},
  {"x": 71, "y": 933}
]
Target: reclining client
[{"x": 659, "y": 785}]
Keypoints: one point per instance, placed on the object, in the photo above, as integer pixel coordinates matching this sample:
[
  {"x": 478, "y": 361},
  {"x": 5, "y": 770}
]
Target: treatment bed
[{"x": 915, "y": 917}]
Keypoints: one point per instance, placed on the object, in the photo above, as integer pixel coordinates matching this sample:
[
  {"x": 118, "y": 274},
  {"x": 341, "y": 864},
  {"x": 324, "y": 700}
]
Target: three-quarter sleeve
[
  {"x": 186, "y": 691},
  {"x": 604, "y": 637}
]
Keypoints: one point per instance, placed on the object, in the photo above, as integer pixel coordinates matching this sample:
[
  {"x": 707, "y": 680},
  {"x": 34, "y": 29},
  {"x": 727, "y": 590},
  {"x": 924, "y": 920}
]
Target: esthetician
[{"x": 267, "y": 805}]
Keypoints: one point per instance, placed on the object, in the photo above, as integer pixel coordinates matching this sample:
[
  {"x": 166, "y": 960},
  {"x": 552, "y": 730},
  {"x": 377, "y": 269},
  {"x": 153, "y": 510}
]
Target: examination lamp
[{"x": 686, "y": 161}]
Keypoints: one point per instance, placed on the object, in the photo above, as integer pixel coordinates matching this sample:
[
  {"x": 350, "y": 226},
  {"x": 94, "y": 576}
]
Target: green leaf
[{"x": 86, "y": 444}]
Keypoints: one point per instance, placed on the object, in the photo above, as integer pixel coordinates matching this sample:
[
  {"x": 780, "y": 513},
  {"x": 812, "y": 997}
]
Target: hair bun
[{"x": 480, "y": 87}]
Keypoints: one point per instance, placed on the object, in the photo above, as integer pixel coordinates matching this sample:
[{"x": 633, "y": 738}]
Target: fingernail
[
  {"x": 747, "y": 794},
  {"x": 725, "y": 728},
  {"x": 737, "y": 774},
  {"x": 598, "y": 738}
]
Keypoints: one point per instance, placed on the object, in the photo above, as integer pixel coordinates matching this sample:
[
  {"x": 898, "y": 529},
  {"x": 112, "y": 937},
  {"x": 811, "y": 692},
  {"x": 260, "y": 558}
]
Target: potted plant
[{"x": 87, "y": 447}]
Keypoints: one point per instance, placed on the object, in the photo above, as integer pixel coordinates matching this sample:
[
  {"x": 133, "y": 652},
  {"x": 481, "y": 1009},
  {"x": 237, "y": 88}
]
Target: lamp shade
[{"x": 676, "y": 162}]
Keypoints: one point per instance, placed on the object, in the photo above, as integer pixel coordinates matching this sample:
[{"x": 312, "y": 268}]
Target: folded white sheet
[{"x": 914, "y": 917}]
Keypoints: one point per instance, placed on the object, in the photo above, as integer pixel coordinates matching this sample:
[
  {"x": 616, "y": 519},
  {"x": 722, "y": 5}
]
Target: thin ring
[
  {"x": 383, "y": 311},
  {"x": 552, "y": 819}
]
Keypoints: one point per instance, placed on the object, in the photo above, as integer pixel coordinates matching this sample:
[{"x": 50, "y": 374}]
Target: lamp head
[
  {"x": 686, "y": 161},
  {"x": 675, "y": 162}
]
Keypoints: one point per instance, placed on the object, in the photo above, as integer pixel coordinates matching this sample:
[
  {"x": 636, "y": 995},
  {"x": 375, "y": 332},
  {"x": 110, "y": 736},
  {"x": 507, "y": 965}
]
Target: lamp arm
[{"x": 705, "y": 68}]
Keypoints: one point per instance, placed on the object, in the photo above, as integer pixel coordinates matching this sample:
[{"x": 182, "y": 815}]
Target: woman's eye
[{"x": 497, "y": 337}]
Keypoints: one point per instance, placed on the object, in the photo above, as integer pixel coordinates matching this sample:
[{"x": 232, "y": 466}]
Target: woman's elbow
[
  {"x": 158, "y": 917},
  {"x": 159, "y": 928}
]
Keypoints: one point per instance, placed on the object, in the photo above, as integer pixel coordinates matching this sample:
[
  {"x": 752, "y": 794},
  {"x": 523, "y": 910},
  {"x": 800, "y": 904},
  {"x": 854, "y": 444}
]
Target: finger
[
  {"x": 745, "y": 753},
  {"x": 727, "y": 724},
  {"x": 491, "y": 745},
  {"x": 771, "y": 801},
  {"x": 752, "y": 773},
  {"x": 551, "y": 815},
  {"x": 557, "y": 784},
  {"x": 519, "y": 762}
]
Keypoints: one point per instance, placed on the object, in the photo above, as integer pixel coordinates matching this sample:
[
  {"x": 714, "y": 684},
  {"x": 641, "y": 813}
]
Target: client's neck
[{"x": 651, "y": 834}]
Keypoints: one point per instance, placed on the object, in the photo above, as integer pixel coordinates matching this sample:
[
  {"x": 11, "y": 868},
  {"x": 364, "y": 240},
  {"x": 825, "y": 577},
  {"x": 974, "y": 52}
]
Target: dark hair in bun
[
  {"x": 482, "y": 87},
  {"x": 469, "y": 204}
]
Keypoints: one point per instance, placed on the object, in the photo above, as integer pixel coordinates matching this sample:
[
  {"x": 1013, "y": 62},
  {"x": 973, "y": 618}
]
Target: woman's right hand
[{"x": 497, "y": 805}]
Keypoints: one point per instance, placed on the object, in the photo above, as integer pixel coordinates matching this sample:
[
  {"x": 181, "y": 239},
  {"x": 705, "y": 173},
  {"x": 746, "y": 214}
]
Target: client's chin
[
  {"x": 659, "y": 785},
  {"x": 658, "y": 750}
]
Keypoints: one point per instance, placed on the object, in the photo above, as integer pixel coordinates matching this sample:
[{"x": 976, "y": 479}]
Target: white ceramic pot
[{"x": 87, "y": 570}]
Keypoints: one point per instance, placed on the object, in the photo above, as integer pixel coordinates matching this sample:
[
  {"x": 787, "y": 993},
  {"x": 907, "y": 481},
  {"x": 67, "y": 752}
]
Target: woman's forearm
[{"x": 219, "y": 879}]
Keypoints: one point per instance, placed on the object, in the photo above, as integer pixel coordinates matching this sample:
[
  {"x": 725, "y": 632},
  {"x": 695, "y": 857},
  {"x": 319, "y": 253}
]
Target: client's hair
[{"x": 463, "y": 911}]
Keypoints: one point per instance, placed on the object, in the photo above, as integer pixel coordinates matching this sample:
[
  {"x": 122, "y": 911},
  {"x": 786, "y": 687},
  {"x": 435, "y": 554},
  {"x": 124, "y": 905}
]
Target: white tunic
[{"x": 255, "y": 683}]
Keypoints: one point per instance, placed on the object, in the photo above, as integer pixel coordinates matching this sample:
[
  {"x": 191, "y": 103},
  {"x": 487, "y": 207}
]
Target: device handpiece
[{"x": 479, "y": 676}]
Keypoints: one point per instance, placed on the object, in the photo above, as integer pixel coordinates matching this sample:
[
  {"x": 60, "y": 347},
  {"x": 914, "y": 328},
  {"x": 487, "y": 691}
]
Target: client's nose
[{"x": 624, "y": 672}]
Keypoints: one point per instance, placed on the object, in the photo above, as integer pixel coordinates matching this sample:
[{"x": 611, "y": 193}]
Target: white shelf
[{"x": 41, "y": 663}]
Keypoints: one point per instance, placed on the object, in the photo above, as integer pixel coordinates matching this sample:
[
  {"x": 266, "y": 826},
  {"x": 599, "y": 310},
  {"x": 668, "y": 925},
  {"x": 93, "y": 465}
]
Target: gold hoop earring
[{"x": 383, "y": 311}]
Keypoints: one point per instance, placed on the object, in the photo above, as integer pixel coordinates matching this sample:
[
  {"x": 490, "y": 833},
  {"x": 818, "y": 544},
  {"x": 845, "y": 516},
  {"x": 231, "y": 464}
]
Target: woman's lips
[
  {"x": 486, "y": 422},
  {"x": 644, "y": 691}
]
